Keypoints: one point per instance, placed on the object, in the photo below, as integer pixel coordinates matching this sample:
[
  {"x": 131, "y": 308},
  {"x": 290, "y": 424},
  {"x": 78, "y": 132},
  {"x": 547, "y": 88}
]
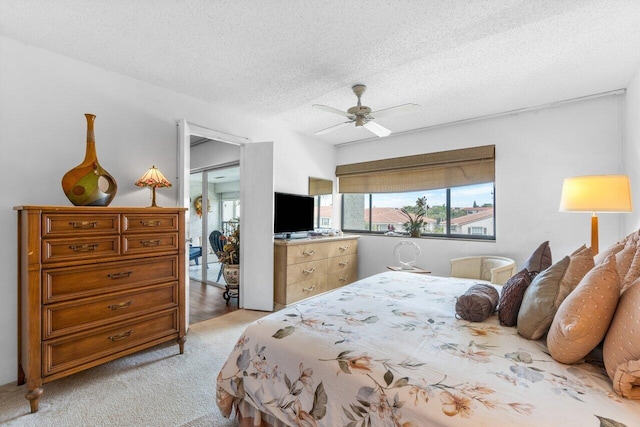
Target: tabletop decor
[
  {"x": 415, "y": 215},
  {"x": 89, "y": 184},
  {"x": 153, "y": 178},
  {"x": 229, "y": 257}
]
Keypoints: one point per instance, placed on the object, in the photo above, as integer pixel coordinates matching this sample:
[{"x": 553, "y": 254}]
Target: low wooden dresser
[
  {"x": 308, "y": 267},
  {"x": 96, "y": 284}
]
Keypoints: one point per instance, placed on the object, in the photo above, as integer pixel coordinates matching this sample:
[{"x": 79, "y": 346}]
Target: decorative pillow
[
  {"x": 634, "y": 271},
  {"x": 581, "y": 261},
  {"x": 584, "y": 316},
  {"x": 511, "y": 297},
  {"x": 627, "y": 379},
  {"x": 539, "y": 260},
  {"x": 622, "y": 342},
  {"x": 477, "y": 303},
  {"x": 624, "y": 258},
  {"x": 538, "y": 304},
  {"x": 613, "y": 249}
]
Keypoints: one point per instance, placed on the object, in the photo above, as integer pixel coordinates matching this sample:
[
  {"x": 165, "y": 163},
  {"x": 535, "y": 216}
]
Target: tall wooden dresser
[
  {"x": 96, "y": 284},
  {"x": 308, "y": 267}
]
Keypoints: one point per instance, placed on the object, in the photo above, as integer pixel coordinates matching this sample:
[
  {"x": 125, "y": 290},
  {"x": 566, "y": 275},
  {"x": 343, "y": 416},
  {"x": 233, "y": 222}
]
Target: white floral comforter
[{"x": 388, "y": 351}]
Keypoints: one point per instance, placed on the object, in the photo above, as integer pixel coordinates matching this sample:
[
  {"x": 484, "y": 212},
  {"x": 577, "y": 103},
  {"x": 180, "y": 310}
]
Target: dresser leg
[
  {"x": 181, "y": 342},
  {"x": 34, "y": 398}
]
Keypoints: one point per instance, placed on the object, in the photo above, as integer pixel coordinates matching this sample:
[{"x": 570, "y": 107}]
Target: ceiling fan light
[{"x": 359, "y": 121}]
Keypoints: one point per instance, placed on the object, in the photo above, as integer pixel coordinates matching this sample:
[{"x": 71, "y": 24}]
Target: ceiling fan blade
[
  {"x": 332, "y": 110},
  {"x": 381, "y": 131},
  {"x": 392, "y": 111},
  {"x": 332, "y": 128}
]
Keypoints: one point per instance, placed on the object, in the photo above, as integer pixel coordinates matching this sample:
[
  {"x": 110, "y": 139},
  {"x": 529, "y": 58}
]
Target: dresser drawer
[
  {"x": 341, "y": 278},
  {"x": 149, "y": 223},
  {"x": 75, "y": 249},
  {"x": 342, "y": 247},
  {"x": 306, "y": 271},
  {"x": 143, "y": 243},
  {"x": 77, "y": 282},
  {"x": 308, "y": 288},
  {"x": 341, "y": 263},
  {"x": 61, "y": 225},
  {"x": 69, "y": 317},
  {"x": 73, "y": 351},
  {"x": 303, "y": 253}
]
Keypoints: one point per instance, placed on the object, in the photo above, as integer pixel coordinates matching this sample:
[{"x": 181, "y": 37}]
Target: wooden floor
[{"x": 206, "y": 302}]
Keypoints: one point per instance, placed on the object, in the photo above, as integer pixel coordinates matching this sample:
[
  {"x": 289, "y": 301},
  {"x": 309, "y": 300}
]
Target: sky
[{"x": 460, "y": 197}]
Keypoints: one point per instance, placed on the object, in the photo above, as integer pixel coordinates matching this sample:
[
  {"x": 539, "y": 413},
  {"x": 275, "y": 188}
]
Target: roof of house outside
[{"x": 474, "y": 217}]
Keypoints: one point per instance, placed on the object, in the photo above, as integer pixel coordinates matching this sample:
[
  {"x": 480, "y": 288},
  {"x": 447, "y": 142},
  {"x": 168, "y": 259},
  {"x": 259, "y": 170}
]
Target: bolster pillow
[{"x": 477, "y": 303}]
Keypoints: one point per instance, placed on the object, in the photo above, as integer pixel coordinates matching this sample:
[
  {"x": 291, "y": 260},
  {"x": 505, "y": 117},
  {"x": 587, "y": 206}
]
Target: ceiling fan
[{"x": 363, "y": 116}]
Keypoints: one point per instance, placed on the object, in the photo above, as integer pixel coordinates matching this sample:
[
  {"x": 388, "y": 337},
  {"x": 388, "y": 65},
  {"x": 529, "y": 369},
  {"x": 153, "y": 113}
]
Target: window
[
  {"x": 323, "y": 210},
  {"x": 458, "y": 185},
  {"x": 453, "y": 212}
]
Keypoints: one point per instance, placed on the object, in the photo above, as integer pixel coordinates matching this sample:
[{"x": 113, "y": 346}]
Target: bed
[{"x": 388, "y": 350}]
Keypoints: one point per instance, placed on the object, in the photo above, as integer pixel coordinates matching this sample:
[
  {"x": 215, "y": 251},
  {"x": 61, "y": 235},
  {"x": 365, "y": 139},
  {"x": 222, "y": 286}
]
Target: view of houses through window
[{"x": 465, "y": 211}]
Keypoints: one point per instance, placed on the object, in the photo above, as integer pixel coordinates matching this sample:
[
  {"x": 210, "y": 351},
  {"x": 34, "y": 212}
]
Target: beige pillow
[
  {"x": 581, "y": 262},
  {"x": 538, "y": 304},
  {"x": 584, "y": 316},
  {"x": 634, "y": 271},
  {"x": 622, "y": 342},
  {"x": 624, "y": 258},
  {"x": 613, "y": 249}
]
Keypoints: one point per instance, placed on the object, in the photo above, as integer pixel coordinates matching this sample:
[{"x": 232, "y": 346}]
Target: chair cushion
[
  {"x": 584, "y": 316},
  {"x": 511, "y": 297}
]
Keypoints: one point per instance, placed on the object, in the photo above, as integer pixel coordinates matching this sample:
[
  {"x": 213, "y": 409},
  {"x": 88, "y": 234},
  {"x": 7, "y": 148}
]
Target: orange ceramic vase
[{"x": 88, "y": 184}]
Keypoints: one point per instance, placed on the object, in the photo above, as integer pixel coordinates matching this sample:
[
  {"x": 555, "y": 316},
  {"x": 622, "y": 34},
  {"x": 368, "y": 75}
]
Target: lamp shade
[
  {"x": 153, "y": 178},
  {"x": 596, "y": 193}
]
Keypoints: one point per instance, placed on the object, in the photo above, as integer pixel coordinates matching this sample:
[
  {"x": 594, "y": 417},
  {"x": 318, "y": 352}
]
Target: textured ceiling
[{"x": 274, "y": 59}]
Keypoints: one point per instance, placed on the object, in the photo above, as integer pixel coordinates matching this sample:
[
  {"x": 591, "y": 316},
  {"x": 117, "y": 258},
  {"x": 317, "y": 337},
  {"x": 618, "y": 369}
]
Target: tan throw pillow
[
  {"x": 613, "y": 249},
  {"x": 538, "y": 304},
  {"x": 581, "y": 262},
  {"x": 539, "y": 260},
  {"x": 511, "y": 297},
  {"x": 624, "y": 258},
  {"x": 585, "y": 315},
  {"x": 634, "y": 271},
  {"x": 622, "y": 342}
]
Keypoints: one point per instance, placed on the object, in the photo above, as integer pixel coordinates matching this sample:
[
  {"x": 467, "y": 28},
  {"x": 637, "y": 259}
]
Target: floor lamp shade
[{"x": 596, "y": 193}]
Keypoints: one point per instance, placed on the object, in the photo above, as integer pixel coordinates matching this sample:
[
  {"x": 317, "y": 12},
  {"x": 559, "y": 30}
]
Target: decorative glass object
[
  {"x": 88, "y": 184},
  {"x": 406, "y": 254}
]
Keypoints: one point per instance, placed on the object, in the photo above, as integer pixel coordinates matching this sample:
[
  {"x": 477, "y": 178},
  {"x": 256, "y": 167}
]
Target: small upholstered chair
[
  {"x": 195, "y": 252},
  {"x": 494, "y": 269}
]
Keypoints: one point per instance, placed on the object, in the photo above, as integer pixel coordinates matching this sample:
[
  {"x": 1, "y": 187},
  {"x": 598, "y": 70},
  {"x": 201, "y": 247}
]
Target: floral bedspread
[{"x": 388, "y": 351}]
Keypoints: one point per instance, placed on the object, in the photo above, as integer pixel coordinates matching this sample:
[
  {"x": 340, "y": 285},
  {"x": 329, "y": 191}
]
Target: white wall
[
  {"x": 42, "y": 135},
  {"x": 535, "y": 151},
  {"x": 631, "y": 149}
]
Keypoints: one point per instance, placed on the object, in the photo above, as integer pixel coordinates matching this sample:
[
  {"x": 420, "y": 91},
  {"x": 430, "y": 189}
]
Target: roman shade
[
  {"x": 429, "y": 171},
  {"x": 319, "y": 187}
]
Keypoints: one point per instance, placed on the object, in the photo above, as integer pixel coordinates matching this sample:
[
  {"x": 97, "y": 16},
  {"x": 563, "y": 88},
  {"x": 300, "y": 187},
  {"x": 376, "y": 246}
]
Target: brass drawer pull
[
  {"x": 120, "y": 275},
  {"x": 84, "y": 248},
  {"x": 150, "y": 242},
  {"x": 309, "y": 270},
  {"x": 343, "y": 248},
  {"x": 309, "y": 289},
  {"x": 84, "y": 224},
  {"x": 308, "y": 253},
  {"x": 121, "y": 336},
  {"x": 344, "y": 278},
  {"x": 152, "y": 223},
  {"x": 343, "y": 263},
  {"x": 121, "y": 305}
]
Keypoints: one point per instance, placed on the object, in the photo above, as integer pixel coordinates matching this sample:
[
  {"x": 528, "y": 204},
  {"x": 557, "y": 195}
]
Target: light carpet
[{"x": 155, "y": 387}]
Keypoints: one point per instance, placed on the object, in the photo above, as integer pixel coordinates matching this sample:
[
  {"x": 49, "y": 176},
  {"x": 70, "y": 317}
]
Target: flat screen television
[{"x": 293, "y": 213}]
